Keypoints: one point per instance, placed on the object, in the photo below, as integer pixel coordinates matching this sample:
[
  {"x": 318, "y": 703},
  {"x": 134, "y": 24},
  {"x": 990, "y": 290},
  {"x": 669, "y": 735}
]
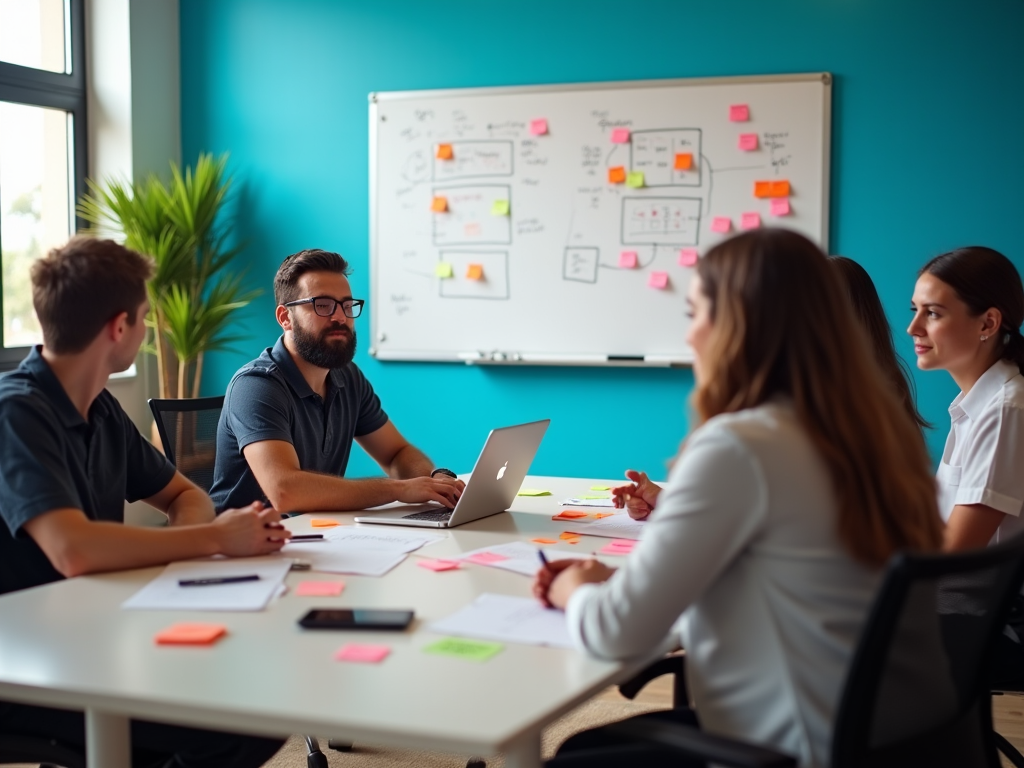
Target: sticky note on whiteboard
[
  {"x": 721, "y": 224},
  {"x": 475, "y": 272},
  {"x": 684, "y": 161},
  {"x": 658, "y": 280},
  {"x": 739, "y": 113},
  {"x": 627, "y": 259},
  {"x": 439, "y": 204},
  {"x": 443, "y": 270},
  {"x": 762, "y": 189},
  {"x": 616, "y": 175},
  {"x": 499, "y": 208},
  {"x": 620, "y": 135},
  {"x": 635, "y": 179},
  {"x": 780, "y": 206},
  {"x": 444, "y": 152},
  {"x": 750, "y": 221},
  {"x": 538, "y": 127},
  {"x": 779, "y": 189},
  {"x": 748, "y": 142},
  {"x": 688, "y": 257}
]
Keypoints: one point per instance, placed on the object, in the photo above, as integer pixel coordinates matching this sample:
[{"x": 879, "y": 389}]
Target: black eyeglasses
[{"x": 325, "y": 305}]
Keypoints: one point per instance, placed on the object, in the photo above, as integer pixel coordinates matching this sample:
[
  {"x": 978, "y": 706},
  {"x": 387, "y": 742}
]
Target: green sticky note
[
  {"x": 635, "y": 179},
  {"x": 600, "y": 487},
  {"x": 460, "y": 647},
  {"x": 533, "y": 492},
  {"x": 500, "y": 207},
  {"x": 443, "y": 270}
]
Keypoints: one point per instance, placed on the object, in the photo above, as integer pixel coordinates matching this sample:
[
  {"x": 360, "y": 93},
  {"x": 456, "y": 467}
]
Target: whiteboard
[{"x": 540, "y": 254}]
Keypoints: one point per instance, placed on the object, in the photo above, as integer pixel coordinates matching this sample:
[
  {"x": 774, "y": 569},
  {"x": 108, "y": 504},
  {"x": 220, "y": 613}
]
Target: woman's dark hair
[
  {"x": 985, "y": 279},
  {"x": 872, "y": 318}
]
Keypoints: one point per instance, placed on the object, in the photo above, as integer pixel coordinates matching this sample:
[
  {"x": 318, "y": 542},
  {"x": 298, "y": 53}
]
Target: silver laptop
[{"x": 496, "y": 479}]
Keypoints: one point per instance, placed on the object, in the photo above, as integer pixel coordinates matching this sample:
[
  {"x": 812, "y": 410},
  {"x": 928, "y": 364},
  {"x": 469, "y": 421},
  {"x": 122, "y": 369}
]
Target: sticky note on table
[
  {"x": 762, "y": 189},
  {"x": 617, "y": 175},
  {"x": 750, "y": 220},
  {"x": 658, "y": 280},
  {"x": 635, "y": 179},
  {"x": 748, "y": 142},
  {"x": 602, "y": 515},
  {"x": 779, "y": 189},
  {"x": 721, "y": 224},
  {"x": 684, "y": 161},
  {"x": 499, "y": 208},
  {"x": 444, "y": 152},
  {"x": 475, "y": 272},
  {"x": 319, "y": 588},
  {"x": 612, "y": 549},
  {"x": 191, "y": 633},
  {"x": 443, "y": 270},
  {"x": 739, "y": 113},
  {"x": 688, "y": 257},
  {"x": 780, "y": 206},
  {"x": 438, "y": 564},
  {"x": 486, "y": 558},
  {"x": 627, "y": 259},
  {"x": 463, "y": 648},
  {"x": 570, "y": 514},
  {"x": 533, "y": 492},
  {"x": 620, "y": 135},
  {"x": 439, "y": 204},
  {"x": 323, "y": 522},
  {"x": 543, "y": 541},
  {"x": 600, "y": 487},
  {"x": 539, "y": 126},
  {"x": 568, "y": 536},
  {"x": 362, "y": 654}
]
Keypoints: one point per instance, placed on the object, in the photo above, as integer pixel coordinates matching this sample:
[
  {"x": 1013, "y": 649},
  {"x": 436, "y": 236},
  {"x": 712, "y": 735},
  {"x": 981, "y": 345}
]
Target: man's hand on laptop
[
  {"x": 441, "y": 489},
  {"x": 251, "y": 530}
]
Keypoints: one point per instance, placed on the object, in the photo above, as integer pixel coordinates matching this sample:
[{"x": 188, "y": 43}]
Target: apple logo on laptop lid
[{"x": 501, "y": 471}]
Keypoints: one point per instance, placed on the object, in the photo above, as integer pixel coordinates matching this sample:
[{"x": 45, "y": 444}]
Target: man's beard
[{"x": 323, "y": 352}]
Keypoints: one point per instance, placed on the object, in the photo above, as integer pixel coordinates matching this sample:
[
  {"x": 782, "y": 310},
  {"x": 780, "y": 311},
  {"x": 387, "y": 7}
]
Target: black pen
[
  {"x": 540, "y": 554},
  {"x": 217, "y": 580},
  {"x": 307, "y": 537}
]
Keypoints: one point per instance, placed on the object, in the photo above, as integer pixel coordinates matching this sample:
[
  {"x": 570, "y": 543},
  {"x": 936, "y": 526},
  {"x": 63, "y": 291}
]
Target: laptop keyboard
[{"x": 440, "y": 515}]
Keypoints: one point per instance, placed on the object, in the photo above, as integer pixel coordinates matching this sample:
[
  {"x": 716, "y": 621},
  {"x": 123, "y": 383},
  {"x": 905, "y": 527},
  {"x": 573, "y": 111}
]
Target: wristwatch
[{"x": 443, "y": 471}]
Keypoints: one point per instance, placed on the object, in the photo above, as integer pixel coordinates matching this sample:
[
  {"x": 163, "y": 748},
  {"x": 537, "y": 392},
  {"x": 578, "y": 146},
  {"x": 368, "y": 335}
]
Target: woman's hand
[
  {"x": 554, "y": 584},
  {"x": 639, "y": 497}
]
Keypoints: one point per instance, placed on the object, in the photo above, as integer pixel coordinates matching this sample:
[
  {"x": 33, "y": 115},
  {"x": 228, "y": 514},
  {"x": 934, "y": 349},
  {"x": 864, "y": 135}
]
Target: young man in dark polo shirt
[
  {"x": 70, "y": 457},
  {"x": 290, "y": 416}
]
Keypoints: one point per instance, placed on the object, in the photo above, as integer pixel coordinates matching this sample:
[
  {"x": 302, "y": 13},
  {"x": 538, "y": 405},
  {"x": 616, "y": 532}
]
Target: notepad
[
  {"x": 517, "y": 556},
  {"x": 165, "y": 593},
  {"x": 508, "y": 619}
]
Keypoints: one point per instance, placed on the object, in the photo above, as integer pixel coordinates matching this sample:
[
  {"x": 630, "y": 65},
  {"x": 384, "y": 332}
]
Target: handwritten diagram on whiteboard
[{"x": 561, "y": 224}]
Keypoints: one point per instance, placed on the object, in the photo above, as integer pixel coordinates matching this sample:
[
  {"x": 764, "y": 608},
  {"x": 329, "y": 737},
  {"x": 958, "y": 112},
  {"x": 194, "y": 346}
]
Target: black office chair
[
  {"x": 33, "y": 749},
  {"x": 188, "y": 431},
  {"x": 916, "y": 692}
]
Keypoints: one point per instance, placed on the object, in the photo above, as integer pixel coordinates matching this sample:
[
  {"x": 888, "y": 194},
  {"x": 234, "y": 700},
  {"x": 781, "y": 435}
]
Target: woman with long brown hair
[{"x": 803, "y": 477}]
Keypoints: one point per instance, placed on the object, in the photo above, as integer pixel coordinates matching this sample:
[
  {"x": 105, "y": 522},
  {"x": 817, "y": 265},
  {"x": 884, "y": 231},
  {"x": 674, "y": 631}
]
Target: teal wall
[{"x": 928, "y": 154}]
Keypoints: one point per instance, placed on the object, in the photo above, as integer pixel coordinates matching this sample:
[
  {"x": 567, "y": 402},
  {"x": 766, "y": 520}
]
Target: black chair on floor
[
  {"x": 188, "y": 431},
  {"x": 917, "y": 690},
  {"x": 46, "y": 753}
]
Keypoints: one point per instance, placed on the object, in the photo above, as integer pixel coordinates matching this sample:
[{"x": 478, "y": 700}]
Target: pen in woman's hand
[{"x": 543, "y": 559}]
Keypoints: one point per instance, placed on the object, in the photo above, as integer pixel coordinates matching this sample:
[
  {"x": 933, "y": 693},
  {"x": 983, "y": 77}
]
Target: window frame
[{"x": 56, "y": 90}]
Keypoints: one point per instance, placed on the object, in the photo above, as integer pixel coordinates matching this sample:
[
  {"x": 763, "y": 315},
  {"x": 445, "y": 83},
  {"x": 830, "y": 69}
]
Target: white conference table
[{"x": 69, "y": 644}]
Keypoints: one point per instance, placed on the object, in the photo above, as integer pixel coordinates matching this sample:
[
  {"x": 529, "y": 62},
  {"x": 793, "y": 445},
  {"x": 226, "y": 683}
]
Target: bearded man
[{"x": 290, "y": 415}]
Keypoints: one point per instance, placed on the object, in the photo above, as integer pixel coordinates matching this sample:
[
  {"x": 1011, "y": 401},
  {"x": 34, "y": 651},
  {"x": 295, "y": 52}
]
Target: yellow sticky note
[
  {"x": 616, "y": 175},
  {"x": 323, "y": 522},
  {"x": 444, "y": 152},
  {"x": 475, "y": 272},
  {"x": 635, "y": 179},
  {"x": 684, "y": 161},
  {"x": 499, "y": 208},
  {"x": 439, "y": 204},
  {"x": 600, "y": 487},
  {"x": 533, "y": 492},
  {"x": 594, "y": 497},
  {"x": 443, "y": 270}
]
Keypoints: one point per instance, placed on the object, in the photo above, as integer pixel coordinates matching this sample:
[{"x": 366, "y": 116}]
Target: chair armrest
[
  {"x": 670, "y": 665},
  {"x": 696, "y": 744}
]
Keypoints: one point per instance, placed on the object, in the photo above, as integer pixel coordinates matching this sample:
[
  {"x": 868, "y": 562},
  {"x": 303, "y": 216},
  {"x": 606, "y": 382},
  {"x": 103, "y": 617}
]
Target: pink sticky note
[
  {"x": 438, "y": 565},
  {"x": 319, "y": 588},
  {"x": 688, "y": 257},
  {"x": 620, "y": 135},
  {"x": 739, "y": 113},
  {"x": 658, "y": 280},
  {"x": 363, "y": 654},
  {"x": 750, "y": 221},
  {"x": 721, "y": 224},
  {"x": 780, "y": 206},
  {"x": 748, "y": 142},
  {"x": 627, "y": 259},
  {"x": 486, "y": 558},
  {"x": 608, "y": 549},
  {"x": 627, "y": 543},
  {"x": 538, "y": 127}
]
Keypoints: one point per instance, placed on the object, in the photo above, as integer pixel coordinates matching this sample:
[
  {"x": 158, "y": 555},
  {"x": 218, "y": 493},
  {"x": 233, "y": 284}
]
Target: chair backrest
[
  {"x": 917, "y": 690},
  {"x": 188, "y": 430}
]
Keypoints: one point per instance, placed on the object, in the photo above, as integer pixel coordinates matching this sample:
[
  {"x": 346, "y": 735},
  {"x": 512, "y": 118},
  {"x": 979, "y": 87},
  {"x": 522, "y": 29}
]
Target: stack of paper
[
  {"x": 517, "y": 556},
  {"x": 166, "y": 593},
  {"x": 618, "y": 526},
  {"x": 360, "y": 551},
  {"x": 509, "y": 620}
]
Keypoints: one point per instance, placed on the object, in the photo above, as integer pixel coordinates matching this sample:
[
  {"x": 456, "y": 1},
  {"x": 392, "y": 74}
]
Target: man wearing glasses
[{"x": 290, "y": 415}]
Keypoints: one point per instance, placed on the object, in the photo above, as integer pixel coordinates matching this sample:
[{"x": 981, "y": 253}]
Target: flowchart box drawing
[
  {"x": 474, "y": 158},
  {"x": 580, "y": 264},
  {"x": 654, "y": 152},
  {"x": 660, "y": 220},
  {"x": 470, "y": 219},
  {"x": 493, "y": 283}
]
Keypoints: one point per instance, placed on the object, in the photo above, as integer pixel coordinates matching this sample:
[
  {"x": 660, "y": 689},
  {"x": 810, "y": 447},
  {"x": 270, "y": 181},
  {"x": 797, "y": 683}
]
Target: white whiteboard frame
[{"x": 376, "y": 98}]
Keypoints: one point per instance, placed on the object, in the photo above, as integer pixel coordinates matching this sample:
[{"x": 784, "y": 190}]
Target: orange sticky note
[
  {"x": 739, "y": 113},
  {"x": 762, "y": 189},
  {"x": 779, "y": 189},
  {"x": 600, "y": 515},
  {"x": 567, "y": 536},
  {"x": 684, "y": 161},
  {"x": 323, "y": 522},
  {"x": 439, "y": 204},
  {"x": 363, "y": 654},
  {"x": 319, "y": 588},
  {"x": 748, "y": 142},
  {"x": 688, "y": 257},
  {"x": 570, "y": 514},
  {"x": 543, "y": 541},
  {"x": 658, "y": 280},
  {"x": 475, "y": 272},
  {"x": 780, "y": 207},
  {"x": 620, "y": 135},
  {"x": 438, "y": 565},
  {"x": 627, "y": 259},
  {"x": 538, "y": 127},
  {"x": 750, "y": 220},
  {"x": 721, "y": 224},
  {"x": 191, "y": 633},
  {"x": 617, "y": 175},
  {"x": 444, "y": 152}
]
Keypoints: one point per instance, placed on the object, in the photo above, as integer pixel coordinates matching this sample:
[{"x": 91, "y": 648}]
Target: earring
[{"x": 984, "y": 338}]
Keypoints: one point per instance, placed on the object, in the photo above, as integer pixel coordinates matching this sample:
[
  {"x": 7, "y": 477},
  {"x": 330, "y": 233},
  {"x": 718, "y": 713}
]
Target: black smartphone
[{"x": 356, "y": 618}]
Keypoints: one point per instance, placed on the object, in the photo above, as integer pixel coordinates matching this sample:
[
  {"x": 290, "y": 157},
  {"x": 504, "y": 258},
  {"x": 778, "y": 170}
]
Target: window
[{"x": 42, "y": 150}]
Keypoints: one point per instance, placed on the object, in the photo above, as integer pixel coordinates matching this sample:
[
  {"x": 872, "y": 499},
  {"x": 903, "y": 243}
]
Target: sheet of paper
[
  {"x": 475, "y": 272},
  {"x": 627, "y": 259},
  {"x": 469, "y": 650},
  {"x": 684, "y": 161},
  {"x": 780, "y": 206},
  {"x": 165, "y": 594},
  {"x": 739, "y": 113},
  {"x": 617, "y": 175},
  {"x": 748, "y": 142},
  {"x": 538, "y": 127},
  {"x": 191, "y": 633},
  {"x": 362, "y": 654},
  {"x": 620, "y": 526},
  {"x": 658, "y": 280},
  {"x": 750, "y": 220},
  {"x": 499, "y": 208},
  {"x": 620, "y": 135},
  {"x": 721, "y": 224},
  {"x": 352, "y": 560},
  {"x": 517, "y": 556},
  {"x": 507, "y": 619},
  {"x": 577, "y": 501},
  {"x": 371, "y": 537},
  {"x": 688, "y": 257},
  {"x": 635, "y": 179}
]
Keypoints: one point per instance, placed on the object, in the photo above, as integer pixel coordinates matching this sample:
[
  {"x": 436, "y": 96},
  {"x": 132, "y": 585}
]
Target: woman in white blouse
[
  {"x": 968, "y": 307},
  {"x": 805, "y": 475}
]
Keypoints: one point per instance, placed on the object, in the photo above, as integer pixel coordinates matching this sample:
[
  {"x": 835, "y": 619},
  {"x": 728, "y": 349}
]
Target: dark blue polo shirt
[
  {"x": 268, "y": 399},
  {"x": 51, "y": 458}
]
